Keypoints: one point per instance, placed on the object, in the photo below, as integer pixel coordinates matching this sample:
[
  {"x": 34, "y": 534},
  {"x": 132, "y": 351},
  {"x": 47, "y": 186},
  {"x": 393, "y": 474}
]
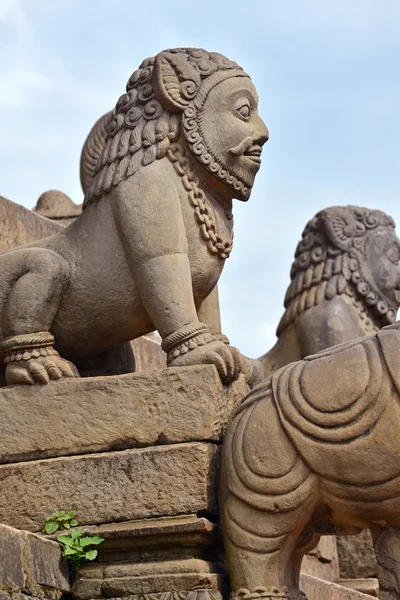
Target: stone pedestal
[
  {"x": 137, "y": 457},
  {"x": 164, "y": 558}
]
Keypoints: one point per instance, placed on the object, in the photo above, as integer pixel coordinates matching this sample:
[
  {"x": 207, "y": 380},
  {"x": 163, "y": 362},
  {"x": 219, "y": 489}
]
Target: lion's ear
[
  {"x": 176, "y": 82},
  {"x": 340, "y": 227}
]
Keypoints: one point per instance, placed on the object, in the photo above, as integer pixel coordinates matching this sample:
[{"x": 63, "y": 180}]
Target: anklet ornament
[{"x": 27, "y": 346}]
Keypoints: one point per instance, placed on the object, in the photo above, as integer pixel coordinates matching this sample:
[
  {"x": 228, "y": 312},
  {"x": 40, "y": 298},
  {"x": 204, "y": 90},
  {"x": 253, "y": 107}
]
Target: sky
[{"x": 328, "y": 76}]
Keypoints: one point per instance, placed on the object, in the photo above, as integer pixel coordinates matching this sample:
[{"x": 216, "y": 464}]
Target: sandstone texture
[
  {"x": 78, "y": 416},
  {"x": 57, "y": 206},
  {"x": 148, "y": 353},
  {"x": 30, "y": 566},
  {"x": 20, "y": 226},
  {"x": 322, "y": 562},
  {"x": 317, "y": 589},
  {"x": 356, "y": 556},
  {"x": 114, "y": 486},
  {"x": 366, "y": 586}
]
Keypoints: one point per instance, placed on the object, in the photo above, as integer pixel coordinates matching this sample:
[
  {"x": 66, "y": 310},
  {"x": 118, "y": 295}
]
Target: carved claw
[
  {"x": 226, "y": 359},
  {"x": 39, "y": 370}
]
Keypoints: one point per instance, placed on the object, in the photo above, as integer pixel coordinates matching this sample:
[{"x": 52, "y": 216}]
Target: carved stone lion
[
  {"x": 315, "y": 448},
  {"x": 157, "y": 226},
  {"x": 344, "y": 282}
]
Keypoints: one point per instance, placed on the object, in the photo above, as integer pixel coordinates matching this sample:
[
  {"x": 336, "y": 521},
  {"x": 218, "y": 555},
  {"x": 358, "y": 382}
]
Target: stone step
[
  {"x": 80, "y": 416},
  {"x": 30, "y": 565},
  {"x": 318, "y": 589},
  {"x": 112, "y": 486}
]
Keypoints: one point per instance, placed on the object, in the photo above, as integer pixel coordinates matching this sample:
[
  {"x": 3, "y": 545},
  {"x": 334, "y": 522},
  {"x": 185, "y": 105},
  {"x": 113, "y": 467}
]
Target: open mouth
[{"x": 254, "y": 153}]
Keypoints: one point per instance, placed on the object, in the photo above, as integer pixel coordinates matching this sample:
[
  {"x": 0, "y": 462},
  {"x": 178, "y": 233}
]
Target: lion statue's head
[
  {"x": 165, "y": 102},
  {"x": 347, "y": 250}
]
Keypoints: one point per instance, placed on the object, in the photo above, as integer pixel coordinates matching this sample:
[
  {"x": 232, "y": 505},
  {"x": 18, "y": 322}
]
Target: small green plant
[
  {"x": 59, "y": 520},
  {"x": 77, "y": 547}
]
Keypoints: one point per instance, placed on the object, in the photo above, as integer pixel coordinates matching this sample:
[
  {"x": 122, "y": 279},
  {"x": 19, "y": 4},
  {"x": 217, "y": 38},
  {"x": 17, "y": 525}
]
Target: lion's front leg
[{"x": 150, "y": 221}]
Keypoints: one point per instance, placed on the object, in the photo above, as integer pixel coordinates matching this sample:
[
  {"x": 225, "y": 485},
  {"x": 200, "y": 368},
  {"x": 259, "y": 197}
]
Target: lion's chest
[{"x": 205, "y": 263}]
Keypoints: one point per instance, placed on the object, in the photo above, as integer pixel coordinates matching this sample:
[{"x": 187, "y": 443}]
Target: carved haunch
[{"x": 316, "y": 445}]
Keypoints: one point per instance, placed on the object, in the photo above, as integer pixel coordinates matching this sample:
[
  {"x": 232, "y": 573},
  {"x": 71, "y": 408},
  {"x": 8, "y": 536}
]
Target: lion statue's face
[
  {"x": 381, "y": 266},
  {"x": 232, "y": 133},
  {"x": 186, "y": 95},
  {"x": 349, "y": 251}
]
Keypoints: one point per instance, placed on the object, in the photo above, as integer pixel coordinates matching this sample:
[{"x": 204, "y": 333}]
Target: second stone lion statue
[
  {"x": 342, "y": 286},
  {"x": 150, "y": 245},
  {"x": 315, "y": 448}
]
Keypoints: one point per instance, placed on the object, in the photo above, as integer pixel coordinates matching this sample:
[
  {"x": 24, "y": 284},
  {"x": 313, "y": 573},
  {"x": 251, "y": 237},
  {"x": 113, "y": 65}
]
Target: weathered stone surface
[
  {"x": 322, "y": 562},
  {"x": 115, "y": 486},
  {"x": 317, "y": 589},
  {"x": 366, "y": 586},
  {"x": 96, "y": 414},
  {"x": 57, "y": 206},
  {"x": 356, "y": 556},
  {"x": 170, "y": 554},
  {"x": 18, "y": 225},
  {"x": 148, "y": 353},
  {"x": 31, "y": 564}
]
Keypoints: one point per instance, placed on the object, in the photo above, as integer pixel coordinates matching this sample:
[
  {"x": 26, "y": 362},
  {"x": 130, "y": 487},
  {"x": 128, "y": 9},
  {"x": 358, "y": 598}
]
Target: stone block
[
  {"x": 148, "y": 353},
  {"x": 31, "y": 564},
  {"x": 171, "y": 555},
  {"x": 114, "y": 486},
  {"x": 356, "y": 556},
  {"x": 317, "y": 589},
  {"x": 11, "y": 558},
  {"x": 81, "y": 416},
  {"x": 322, "y": 562},
  {"x": 366, "y": 586}
]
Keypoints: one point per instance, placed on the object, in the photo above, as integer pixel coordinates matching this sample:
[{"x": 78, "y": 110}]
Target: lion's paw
[{"x": 42, "y": 369}]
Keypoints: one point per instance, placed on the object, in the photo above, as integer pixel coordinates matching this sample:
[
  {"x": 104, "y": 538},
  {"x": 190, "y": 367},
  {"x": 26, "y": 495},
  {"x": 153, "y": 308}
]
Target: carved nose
[{"x": 261, "y": 130}]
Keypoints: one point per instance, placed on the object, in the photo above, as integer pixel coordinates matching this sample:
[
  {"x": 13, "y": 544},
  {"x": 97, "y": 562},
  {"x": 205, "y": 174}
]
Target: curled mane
[
  {"x": 328, "y": 262},
  {"x": 140, "y": 132}
]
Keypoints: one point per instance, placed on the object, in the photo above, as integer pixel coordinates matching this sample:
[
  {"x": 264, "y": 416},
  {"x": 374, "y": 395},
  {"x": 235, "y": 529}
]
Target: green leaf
[
  {"x": 71, "y": 514},
  {"x": 50, "y": 527},
  {"x": 68, "y": 551},
  {"x": 89, "y": 541},
  {"x": 76, "y": 533},
  {"x": 66, "y": 525},
  {"x": 73, "y": 523},
  {"x": 65, "y": 539},
  {"x": 90, "y": 554}
]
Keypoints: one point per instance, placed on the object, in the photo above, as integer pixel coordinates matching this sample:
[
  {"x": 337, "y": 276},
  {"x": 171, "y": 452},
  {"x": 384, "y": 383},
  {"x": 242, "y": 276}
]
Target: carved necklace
[{"x": 202, "y": 207}]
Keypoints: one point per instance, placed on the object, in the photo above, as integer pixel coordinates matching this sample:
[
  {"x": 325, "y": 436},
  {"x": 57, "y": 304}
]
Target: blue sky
[{"x": 327, "y": 73}]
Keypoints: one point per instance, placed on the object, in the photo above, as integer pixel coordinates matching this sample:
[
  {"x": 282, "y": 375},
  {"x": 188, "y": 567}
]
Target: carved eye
[
  {"x": 243, "y": 109},
  {"x": 394, "y": 255}
]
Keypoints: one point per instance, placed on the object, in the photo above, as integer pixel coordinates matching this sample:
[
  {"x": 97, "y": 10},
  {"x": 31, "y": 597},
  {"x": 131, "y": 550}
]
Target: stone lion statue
[
  {"x": 315, "y": 448},
  {"x": 156, "y": 228},
  {"x": 343, "y": 283}
]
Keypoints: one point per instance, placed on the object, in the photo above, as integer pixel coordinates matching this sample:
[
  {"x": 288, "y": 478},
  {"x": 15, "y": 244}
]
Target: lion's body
[
  {"x": 155, "y": 231},
  {"x": 327, "y": 324},
  {"x": 101, "y": 304},
  {"x": 314, "y": 449}
]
